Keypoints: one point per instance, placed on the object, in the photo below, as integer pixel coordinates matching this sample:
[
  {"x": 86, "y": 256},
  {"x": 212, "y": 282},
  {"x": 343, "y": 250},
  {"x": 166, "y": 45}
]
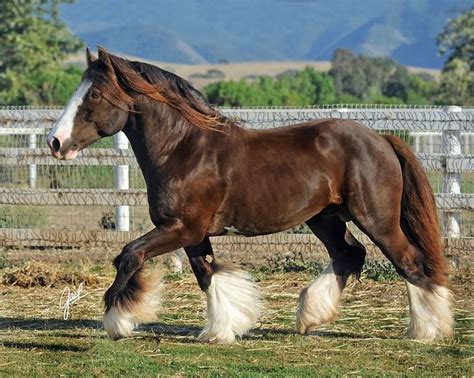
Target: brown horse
[{"x": 206, "y": 175}]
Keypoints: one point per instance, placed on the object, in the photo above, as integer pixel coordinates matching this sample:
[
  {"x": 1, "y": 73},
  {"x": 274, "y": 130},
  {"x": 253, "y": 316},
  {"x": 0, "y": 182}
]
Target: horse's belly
[
  {"x": 275, "y": 198},
  {"x": 250, "y": 219}
]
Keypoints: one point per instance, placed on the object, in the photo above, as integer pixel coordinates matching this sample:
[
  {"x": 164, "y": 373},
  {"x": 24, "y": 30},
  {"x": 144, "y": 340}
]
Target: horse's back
[{"x": 331, "y": 141}]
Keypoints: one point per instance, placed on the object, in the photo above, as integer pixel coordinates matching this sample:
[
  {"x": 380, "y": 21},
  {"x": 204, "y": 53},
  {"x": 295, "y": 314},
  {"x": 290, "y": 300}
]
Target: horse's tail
[{"x": 418, "y": 219}]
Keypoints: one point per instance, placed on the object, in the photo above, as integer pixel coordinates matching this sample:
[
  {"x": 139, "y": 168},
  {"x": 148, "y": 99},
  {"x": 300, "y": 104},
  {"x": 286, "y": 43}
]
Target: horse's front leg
[
  {"x": 133, "y": 298},
  {"x": 233, "y": 298}
]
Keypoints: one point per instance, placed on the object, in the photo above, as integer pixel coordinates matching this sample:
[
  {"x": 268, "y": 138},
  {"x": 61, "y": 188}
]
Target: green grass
[
  {"x": 367, "y": 338},
  {"x": 21, "y": 216},
  {"x": 88, "y": 353}
]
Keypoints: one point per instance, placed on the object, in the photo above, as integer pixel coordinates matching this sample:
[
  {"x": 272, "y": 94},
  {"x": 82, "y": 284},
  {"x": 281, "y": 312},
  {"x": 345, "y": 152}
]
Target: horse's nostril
[{"x": 56, "y": 144}]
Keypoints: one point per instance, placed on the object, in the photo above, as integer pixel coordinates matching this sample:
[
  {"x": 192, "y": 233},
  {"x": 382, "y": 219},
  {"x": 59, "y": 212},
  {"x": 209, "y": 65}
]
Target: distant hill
[
  {"x": 136, "y": 41},
  {"x": 202, "y": 74},
  {"x": 209, "y": 31}
]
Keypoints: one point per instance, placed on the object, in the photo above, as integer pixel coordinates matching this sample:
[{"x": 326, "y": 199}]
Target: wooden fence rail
[{"x": 452, "y": 127}]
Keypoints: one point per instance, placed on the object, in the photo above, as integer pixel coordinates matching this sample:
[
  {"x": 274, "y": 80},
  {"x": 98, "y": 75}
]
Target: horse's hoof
[{"x": 213, "y": 337}]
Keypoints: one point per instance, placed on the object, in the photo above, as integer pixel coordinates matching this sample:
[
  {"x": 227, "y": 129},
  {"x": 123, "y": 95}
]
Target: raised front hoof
[
  {"x": 213, "y": 337},
  {"x": 118, "y": 324},
  {"x": 136, "y": 304}
]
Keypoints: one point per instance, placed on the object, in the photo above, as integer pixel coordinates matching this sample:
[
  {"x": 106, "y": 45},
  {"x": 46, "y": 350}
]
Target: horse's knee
[{"x": 130, "y": 259}]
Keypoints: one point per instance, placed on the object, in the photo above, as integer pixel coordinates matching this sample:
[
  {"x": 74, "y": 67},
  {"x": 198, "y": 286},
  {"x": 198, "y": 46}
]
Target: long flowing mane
[{"x": 159, "y": 85}]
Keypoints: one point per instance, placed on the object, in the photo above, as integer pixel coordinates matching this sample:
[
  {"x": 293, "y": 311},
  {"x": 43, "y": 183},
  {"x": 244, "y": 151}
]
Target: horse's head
[{"x": 93, "y": 112}]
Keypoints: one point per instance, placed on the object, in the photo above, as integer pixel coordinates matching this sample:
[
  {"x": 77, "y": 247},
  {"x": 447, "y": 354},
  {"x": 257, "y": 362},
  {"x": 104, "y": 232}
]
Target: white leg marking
[
  {"x": 233, "y": 306},
  {"x": 430, "y": 313},
  {"x": 318, "y": 302},
  {"x": 120, "y": 321},
  {"x": 62, "y": 129}
]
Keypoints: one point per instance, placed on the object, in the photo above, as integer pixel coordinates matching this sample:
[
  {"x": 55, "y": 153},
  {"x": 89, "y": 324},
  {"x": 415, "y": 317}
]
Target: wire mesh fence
[{"x": 100, "y": 197}]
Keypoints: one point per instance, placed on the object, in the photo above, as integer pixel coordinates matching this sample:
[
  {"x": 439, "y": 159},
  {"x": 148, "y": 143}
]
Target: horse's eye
[{"x": 95, "y": 94}]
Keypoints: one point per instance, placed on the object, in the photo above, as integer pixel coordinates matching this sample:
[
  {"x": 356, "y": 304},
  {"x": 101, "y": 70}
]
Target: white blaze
[{"x": 62, "y": 129}]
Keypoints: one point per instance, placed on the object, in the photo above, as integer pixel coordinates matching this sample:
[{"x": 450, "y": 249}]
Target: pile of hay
[{"x": 39, "y": 274}]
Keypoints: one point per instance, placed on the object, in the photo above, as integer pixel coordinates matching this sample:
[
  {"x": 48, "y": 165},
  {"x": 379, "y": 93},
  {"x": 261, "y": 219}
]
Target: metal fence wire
[{"x": 100, "y": 197}]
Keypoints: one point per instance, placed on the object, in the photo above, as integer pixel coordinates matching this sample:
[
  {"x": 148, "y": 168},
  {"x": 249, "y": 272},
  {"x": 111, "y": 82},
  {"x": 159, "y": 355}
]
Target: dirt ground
[{"x": 366, "y": 339}]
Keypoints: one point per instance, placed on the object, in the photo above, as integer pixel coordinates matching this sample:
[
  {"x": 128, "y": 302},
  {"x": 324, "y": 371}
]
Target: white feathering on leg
[
  {"x": 318, "y": 302},
  {"x": 119, "y": 322},
  {"x": 233, "y": 306},
  {"x": 430, "y": 313}
]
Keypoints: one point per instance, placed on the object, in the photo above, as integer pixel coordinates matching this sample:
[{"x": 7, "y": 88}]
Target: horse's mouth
[{"x": 69, "y": 155}]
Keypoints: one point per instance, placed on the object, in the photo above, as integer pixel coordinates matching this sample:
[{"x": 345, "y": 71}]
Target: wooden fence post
[
  {"x": 451, "y": 147},
  {"x": 122, "y": 213},
  {"x": 32, "y": 172}
]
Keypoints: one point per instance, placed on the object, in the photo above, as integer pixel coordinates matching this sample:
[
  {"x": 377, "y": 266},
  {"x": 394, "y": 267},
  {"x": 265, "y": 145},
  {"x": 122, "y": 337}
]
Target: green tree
[
  {"x": 349, "y": 76},
  {"x": 318, "y": 87},
  {"x": 457, "y": 84},
  {"x": 457, "y": 38},
  {"x": 377, "y": 81},
  {"x": 421, "y": 89},
  {"x": 33, "y": 45},
  {"x": 397, "y": 83},
  {"x": 368, "y": 78},
  {"x": 303, "y": 88},
  {"x": 457, "y": 78}
]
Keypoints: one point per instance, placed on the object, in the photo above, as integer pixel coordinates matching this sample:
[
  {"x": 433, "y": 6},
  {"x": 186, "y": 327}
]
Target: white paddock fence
[{"x": 100, "y": 198}]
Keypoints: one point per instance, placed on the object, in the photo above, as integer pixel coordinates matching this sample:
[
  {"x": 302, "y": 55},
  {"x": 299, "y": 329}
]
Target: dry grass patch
[
  {"x": 36, "y": 274},
  {"x": 366, "y": 339}
]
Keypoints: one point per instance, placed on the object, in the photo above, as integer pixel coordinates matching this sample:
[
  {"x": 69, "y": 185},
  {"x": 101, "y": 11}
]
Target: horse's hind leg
[
  {"x": 233, "y": 299},
  {"x": 429, "y": 299},
  {"x": 318, "y": 302}
]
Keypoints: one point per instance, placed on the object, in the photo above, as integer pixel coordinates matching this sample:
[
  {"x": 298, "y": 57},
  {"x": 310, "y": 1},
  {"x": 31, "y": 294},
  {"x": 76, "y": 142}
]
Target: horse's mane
[{"x": 158, "y": 85}]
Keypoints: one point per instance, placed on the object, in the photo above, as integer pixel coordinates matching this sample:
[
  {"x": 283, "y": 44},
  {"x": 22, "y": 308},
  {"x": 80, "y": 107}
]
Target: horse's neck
[{"x": 155, "y": 132}]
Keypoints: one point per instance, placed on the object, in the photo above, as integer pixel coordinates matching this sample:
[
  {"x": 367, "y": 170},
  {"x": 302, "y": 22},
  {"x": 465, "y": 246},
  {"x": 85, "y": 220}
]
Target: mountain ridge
[{"x": 204, "y": 31}]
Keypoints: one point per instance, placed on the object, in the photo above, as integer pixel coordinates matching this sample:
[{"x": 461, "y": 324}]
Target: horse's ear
[
  {"x": 90, "y": 57},
  {"x": 104, "y": 57}
]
